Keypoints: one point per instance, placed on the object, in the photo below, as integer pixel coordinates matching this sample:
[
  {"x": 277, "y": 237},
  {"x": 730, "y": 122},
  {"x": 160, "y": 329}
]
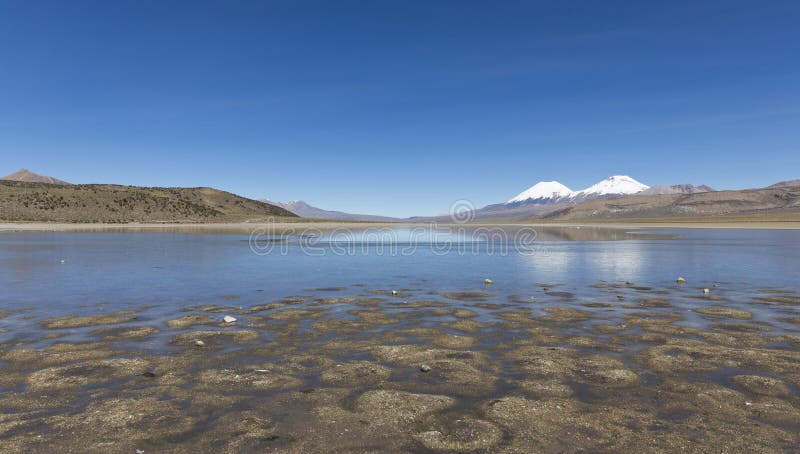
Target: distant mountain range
[
  {"x": 26, "y": 196},
  {"x": 30, "y": 177},
  {"x": 541, "y": 198},
  {"x": 549, "y": 196},
  {"x": 305, "y": 210},
  {"x": 618, "y": 196},
  {"x": 616, "y": 185}
]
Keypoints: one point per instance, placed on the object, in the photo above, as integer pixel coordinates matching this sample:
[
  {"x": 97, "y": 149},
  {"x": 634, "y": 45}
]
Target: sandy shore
[
  {"x": 296, "y": 227},
  {"x": 242, "y": 227},
  {"x": 777, "y": 225}
]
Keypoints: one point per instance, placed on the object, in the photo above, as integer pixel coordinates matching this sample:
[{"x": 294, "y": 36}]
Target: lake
[{"x": 333, "y": 327}]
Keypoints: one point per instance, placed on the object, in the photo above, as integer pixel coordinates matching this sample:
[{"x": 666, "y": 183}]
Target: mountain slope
[
  {"x": 20, "y": 201},
  {"x": 784, "y": 184},
  {"x": 778, "y": 201},
  {"x": 27, "y": 176},
  {"x": 519, "y": 211},
  {"x": 305, "y": 210},
  {"x": 685, "y": 188}
]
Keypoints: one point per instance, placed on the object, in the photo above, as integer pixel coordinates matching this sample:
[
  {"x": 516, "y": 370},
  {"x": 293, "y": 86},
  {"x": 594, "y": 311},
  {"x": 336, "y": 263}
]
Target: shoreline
[{"x": 285, "y": 227}]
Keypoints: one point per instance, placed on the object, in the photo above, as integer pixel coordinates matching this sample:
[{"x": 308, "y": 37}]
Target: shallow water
[
  {"x": 574, "y": 315},
  {"x": 170, "y": 268}
]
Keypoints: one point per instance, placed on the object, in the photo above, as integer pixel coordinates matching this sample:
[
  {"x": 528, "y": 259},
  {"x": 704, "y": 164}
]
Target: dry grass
[{"x": 39, "y": 202}]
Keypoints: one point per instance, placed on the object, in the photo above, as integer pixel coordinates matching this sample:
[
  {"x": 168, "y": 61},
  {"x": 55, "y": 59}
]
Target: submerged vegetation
[{"x": 459, "y": 372}]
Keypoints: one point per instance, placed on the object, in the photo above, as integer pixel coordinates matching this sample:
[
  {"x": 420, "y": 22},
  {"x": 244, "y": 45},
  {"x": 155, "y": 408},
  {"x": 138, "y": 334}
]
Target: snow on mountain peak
[
  {"x": 544, "y": 190},
  {"x": 616, "y": 184}
]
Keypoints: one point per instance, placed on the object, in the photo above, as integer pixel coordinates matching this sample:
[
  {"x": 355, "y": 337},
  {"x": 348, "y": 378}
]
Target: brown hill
[
  {"x": 756, "y": 203},
  {"x": 784, "y": 184},
  {"x": 40, "y": 202},
  {"x": 30, "y": 177}
]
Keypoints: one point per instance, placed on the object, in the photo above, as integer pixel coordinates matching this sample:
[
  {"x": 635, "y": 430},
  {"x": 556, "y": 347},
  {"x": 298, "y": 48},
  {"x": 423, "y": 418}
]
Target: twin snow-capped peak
[{"x": 551, "y": 191}]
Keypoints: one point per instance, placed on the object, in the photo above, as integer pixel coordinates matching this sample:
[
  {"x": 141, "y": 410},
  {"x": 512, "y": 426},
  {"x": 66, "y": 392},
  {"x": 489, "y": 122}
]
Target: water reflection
[{"x": 172, "y": 268}]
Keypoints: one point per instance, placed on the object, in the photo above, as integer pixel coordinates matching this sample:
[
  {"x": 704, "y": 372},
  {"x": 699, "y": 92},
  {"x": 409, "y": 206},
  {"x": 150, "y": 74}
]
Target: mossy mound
[
  {"x": 72, "y": 321},
  {"x": 85, "y": 373},
  {"x": 722, "y": 311},
  {"x": 188, "y": 321},
  {"x": 357, "y": 373},
  {"x": 215, "y": 338}
]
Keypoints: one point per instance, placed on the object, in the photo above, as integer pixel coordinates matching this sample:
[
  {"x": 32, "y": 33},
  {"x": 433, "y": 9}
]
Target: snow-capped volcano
[
  {"x": 613, "y": 185},
  {"x": 550, "y": 192},
  {"x": 543, "y": 191}
]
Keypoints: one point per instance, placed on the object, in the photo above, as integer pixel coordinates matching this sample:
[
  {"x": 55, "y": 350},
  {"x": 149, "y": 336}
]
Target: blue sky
[{"x": 400, "y": 108}]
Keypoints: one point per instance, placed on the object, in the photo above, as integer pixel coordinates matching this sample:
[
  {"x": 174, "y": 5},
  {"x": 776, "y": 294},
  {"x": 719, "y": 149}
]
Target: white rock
[
  {"x": 199, "y": 343},
  {"x": 488, "y": 281},
  {"x": 706, "y": 291},
  {"x": 681, "y": 280},
  {"x": 394, "y": 292},
  {"x": 228, "y": 319}
]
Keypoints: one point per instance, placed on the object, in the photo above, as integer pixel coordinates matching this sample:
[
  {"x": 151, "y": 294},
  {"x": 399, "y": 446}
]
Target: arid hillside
[
  {"x": 770, "y": 203},
  {"x": 40, "y": 202}
]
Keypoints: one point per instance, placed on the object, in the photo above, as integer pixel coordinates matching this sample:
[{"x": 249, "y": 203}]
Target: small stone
[
  {"x": 681, "y": 280},
  {"x": 149, "y": 374},
  {"x": 706, "y": 291},
  {"x": 628, "y": 283},
  {"x": 228, "y": 319},
  {"x": 488, "y": 281},
  {"x": 425, "y": 368},
  {"x": 199, "y": 343}
]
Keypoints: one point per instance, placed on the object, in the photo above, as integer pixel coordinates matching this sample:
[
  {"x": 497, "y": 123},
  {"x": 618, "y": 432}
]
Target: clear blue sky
[{"x": 401, "y": 107}]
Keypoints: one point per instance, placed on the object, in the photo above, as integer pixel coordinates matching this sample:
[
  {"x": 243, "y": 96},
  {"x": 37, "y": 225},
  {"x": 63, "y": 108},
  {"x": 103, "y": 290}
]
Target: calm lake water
[{"x": 70, "y": 273}]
